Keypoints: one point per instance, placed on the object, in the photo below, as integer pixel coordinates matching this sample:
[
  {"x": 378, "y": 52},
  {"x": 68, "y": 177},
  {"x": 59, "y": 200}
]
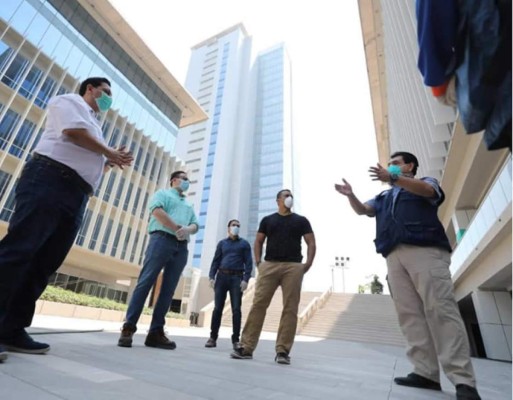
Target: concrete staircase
[
  {"x": 272, "y": 318},
  {"x": 356, "y": 317}
]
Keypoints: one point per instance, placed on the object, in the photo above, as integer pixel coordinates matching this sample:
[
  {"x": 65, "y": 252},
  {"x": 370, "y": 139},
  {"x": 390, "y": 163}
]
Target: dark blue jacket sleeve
[
  {"x": 216, "y": 262},
  {"x": 437, "y": 29}
]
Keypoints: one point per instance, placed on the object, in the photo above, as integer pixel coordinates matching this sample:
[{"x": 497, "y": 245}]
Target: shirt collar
[{"x": 177, "y": 193}]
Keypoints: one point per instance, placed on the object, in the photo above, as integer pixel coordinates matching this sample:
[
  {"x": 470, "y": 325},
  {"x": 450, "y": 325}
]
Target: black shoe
[
  {"x": 159, "y": 340},
  {"x": 211, "y": 343},
  {"x": 241, "y": 354},
  {"x": 3, "y": 353},
  {"x": 127, "y": 333},
  {"x": 415, "y": 380},
  {"x": 282, "y": 358},
  {"x": 236, "y": 345},
  {"x": 466, "y": 392},
  {"x": 21, "y": 342}
]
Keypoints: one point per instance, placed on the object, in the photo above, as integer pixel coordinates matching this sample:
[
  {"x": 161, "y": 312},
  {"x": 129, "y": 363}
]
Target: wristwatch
[{"x": 393, "y": 178}]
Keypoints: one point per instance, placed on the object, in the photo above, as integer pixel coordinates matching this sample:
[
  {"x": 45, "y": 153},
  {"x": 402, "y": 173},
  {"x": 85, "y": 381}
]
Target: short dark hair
[
  {"x": 232, "y": 220},
  {"x": 281, "y": 191},
  {"x": 176, "y": 174},
  {"x": 407, "y": 158},
  {"x": 95, "y": 81}
]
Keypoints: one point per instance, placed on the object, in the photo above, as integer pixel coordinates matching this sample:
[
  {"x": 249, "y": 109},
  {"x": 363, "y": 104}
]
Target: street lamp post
[
  {"x": 341, "y": 263},
  {"x": 332, "y": 278}
]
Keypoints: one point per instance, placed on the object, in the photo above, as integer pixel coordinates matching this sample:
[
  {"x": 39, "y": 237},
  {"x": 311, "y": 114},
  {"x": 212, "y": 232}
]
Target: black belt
[
  {"x": 75, "y": 177},
  {"x": 168, "y": 235},
  {"x": 225, "y": 271}
]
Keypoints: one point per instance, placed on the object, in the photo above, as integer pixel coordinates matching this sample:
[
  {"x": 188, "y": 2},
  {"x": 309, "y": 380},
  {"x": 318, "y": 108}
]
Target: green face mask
[
  {"x": 104, "y": 102},
  {"x": 394, "y": 169}
]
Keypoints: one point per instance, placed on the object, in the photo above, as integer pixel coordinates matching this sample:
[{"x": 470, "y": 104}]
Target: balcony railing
[{"x": 495, "y": 203}]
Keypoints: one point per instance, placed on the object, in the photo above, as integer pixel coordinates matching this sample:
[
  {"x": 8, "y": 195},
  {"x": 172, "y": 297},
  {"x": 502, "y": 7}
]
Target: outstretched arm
[
  {"x": 358, "y": 207},
  {"x": 412, "y": 185}
]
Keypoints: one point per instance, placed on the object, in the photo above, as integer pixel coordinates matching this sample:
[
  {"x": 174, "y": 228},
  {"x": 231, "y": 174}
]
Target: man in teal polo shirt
[{"x": 172, "y": 221}]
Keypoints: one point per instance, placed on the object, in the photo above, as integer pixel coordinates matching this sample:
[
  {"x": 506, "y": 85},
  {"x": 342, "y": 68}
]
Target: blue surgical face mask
[
  {"x": 234, "y": 230},
  {"x": 184, "y": 185},
  {"x": 394, "y": 169},
  {"x": 104, "y": 102}
]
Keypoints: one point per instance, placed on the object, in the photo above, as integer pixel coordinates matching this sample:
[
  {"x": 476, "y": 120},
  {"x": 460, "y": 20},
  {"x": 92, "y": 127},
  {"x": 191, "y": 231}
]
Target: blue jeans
[
  {"x": 43, "y": 227},
  {"x": 224, "y": 284},
  {"x": 163, "y": 251}
]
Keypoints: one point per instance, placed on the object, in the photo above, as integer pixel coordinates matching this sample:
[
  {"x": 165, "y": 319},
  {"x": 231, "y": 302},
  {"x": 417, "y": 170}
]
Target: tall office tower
[
  {"x": 272, "y": 167},
  {"x": 242, "y": 155},
  {"x": 47, "y": 48},
  {"x": 476, "y": 212}
]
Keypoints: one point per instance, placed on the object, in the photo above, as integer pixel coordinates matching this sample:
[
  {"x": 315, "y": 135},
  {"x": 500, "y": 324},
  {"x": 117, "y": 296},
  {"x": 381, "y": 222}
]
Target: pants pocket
[{"x": 442, "y": 283}]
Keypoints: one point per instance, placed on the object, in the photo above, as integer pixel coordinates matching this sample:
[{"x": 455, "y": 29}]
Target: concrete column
[
  {"x": 461, "y": 221},
  {"x": 131, "y": 288},
  {"x": 192, "y": 306},
  {"x": 493, "y": 310}
]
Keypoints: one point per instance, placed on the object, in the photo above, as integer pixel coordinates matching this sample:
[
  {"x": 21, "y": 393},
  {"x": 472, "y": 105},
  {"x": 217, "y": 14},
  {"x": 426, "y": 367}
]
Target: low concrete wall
[
  {"x": 73, "y": 311},
  {"x": 205, "y": 314},
  {"x": 311, "y": 309}
]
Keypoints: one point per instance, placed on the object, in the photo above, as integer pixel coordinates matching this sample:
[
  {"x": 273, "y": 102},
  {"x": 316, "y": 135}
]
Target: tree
[
  {"x": 376, "y": 286},
  {"x": 361, "y": 289}
]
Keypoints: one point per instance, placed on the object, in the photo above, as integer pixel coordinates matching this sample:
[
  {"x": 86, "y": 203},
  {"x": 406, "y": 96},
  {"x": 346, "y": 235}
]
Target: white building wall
[{"x": 418, "y": 123}]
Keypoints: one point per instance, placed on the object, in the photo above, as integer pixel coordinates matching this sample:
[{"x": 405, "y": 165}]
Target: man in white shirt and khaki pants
[{"x": 51, "y": 198}]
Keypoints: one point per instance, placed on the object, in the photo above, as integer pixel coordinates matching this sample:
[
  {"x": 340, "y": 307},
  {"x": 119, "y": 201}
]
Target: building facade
[
  {"x": 477, "y": 211},
  {"x": 47, "y": 48},
  {"x": 242, "y": 155}
]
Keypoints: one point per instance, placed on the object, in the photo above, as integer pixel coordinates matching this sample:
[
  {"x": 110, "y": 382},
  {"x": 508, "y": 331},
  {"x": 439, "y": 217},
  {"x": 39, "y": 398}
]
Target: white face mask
[
  {"x": 288, "y": 202},
  {"x": 234, "y": 230}
]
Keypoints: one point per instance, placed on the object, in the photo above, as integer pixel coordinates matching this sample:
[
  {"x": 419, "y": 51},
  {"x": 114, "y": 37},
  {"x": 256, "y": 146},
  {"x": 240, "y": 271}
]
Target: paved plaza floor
[{"x": 89, "y": 365}]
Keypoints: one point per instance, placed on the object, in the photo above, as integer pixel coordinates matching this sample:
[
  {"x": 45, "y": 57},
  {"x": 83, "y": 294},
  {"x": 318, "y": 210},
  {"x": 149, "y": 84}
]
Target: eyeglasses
[
  {"x": 106, "y": 91},
  {"x": 183, "y": 178}
]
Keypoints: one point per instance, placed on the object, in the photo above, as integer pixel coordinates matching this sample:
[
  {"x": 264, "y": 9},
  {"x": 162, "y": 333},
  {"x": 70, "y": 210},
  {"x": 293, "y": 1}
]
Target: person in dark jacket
[
  {"x": 230, "y": 272},
  {"x": 412, "y": 239},
  {"x": 465, "y": 57}
]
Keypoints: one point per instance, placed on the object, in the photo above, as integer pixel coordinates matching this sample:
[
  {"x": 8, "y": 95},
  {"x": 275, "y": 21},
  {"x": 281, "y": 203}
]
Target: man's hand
[
  {"x": 243, "y": 286},
  {"x": 119, "y": 157},
  {"x": 344, "y": 189},
  {"x": 306, "y": 267},
  {"x": 183, "y": 233},
  {"x": 379, "y": 173},
  {"x": 212, "y": 283}
]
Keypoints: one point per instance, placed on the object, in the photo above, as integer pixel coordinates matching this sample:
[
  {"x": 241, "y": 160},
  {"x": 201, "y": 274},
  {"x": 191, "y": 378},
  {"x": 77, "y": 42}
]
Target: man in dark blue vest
[{"x": 412, "y": 239}]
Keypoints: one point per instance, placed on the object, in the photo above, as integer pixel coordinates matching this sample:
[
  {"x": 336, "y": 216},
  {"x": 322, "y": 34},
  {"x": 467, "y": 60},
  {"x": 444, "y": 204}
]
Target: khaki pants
[
  {"x": 271, "y": 275},
  {"x": 429, "y": 316}
]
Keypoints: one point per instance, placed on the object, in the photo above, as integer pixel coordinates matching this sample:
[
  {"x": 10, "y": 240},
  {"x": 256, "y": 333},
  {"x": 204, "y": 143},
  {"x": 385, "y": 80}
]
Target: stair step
[{"x": 344, "y": 316}]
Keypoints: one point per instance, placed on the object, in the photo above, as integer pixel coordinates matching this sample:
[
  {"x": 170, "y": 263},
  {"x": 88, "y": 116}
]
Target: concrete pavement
[{"x": 91, "y": 366}]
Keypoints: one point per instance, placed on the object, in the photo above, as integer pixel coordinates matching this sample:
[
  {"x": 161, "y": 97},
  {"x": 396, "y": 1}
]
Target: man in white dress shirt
[{"x": 51, "y": 197}]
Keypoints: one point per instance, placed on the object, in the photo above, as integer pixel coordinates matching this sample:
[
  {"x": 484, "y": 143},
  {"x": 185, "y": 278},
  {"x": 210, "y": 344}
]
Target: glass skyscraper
[
  {"x": 272, "y": 168},
  {"x": 242, "y": 156},
  {"x": 47, "y": 48}
]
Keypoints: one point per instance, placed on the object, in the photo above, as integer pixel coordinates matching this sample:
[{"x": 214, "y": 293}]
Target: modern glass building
[
  {"x": 272, "y": 168},
  {"x": 47, "y": 47},
  {"x": 242, "y": 155},
  {"x": 477, "y": 182}
]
